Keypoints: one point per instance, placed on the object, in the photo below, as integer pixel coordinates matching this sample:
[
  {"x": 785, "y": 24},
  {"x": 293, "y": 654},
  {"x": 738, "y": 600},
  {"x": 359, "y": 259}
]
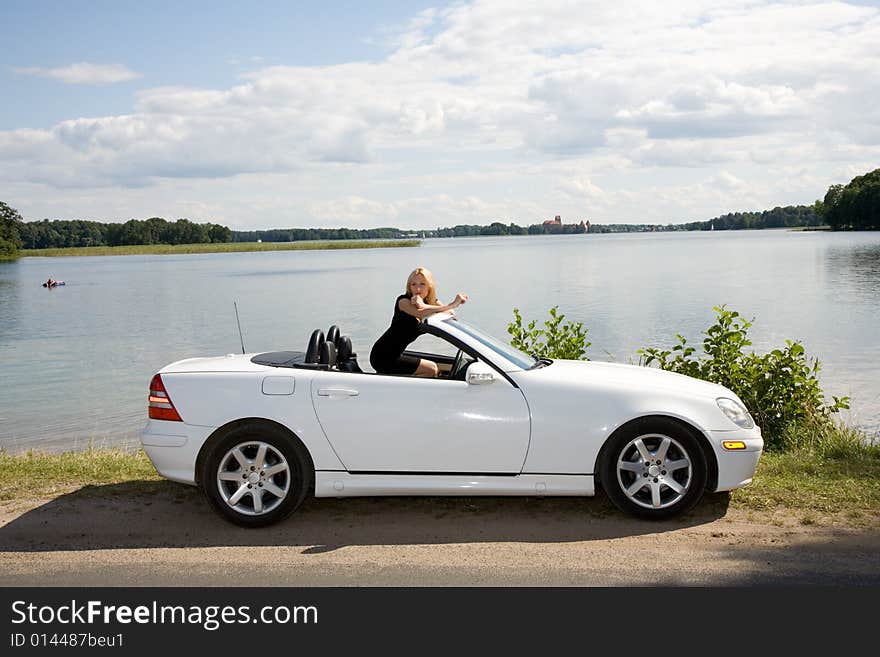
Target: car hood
[{"x": 629, "y": 377}]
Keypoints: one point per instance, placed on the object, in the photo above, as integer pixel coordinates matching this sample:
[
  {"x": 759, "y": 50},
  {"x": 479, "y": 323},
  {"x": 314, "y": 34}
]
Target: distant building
[{"x": 554, "y": 225}]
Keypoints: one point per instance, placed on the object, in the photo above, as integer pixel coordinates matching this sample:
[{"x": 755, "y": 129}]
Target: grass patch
[
  {"x": 820, "y": 467},
  {"x": 828, "y": 438},
  {"x": 37, "y": 474},
  {"x": 811, "y": 483},
  {"x": 800, "y": 481},
  {"x": 220, "y": 247}
]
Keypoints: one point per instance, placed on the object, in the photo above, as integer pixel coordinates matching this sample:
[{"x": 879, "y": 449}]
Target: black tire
[
  {"x": 256, "y": 475},
  {"x": 673, "y": 478}
]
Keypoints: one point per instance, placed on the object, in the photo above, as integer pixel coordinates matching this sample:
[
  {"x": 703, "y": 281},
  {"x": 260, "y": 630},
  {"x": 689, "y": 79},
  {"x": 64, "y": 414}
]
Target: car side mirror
[{"x": 480, "y": 374}]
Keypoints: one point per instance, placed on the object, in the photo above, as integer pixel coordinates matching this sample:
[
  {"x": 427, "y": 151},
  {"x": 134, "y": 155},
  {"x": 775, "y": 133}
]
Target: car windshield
[{"x": 503, "y": 349}]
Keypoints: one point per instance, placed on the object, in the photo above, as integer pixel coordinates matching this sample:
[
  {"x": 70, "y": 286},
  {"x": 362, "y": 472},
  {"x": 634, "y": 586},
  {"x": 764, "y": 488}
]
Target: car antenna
[{"x": 240, "y": 337}]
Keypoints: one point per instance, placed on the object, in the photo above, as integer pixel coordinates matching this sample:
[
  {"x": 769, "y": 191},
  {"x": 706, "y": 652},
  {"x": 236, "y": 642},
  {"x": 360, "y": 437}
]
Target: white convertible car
[{"x": 260, "y": 432}]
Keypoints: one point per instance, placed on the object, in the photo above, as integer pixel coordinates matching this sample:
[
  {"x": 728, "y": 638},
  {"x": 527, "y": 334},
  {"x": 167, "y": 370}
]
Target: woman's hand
[{"x": 460, "y": 298}]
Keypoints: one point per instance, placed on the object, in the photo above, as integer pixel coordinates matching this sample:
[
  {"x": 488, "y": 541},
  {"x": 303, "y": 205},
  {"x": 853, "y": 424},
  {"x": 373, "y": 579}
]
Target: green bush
[
  {"x": 780, "y": 389},
  {"x": 555, "y": 340}
]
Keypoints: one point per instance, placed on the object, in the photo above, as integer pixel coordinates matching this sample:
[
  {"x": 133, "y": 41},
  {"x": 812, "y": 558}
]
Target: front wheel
[
  {"x": 654, "y": 468},
  {"x": 256, "y": 475}
]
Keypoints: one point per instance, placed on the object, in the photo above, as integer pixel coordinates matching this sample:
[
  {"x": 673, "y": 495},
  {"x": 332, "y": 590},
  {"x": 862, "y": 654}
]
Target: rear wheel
[
  {"x": 256, "y": 475},
  {"x": 654, "y": 468}
]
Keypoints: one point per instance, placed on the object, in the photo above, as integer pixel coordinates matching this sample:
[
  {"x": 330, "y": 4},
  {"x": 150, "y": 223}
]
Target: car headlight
[{"x": 735, "y": 412}]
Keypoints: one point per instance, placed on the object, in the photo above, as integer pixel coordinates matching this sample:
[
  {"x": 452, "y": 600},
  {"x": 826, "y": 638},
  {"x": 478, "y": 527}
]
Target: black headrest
[
  {"x": 315, "y": 342},
  {"x": 333, "y": 334},
  {"x": 343, "y": 348},
  {"x": 328, "y": 354}
]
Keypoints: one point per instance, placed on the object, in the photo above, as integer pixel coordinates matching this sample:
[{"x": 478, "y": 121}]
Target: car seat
[
  {"x": 328, "y": 354},
  {"x": 313, "y": 351},
  {"x": 346, "y": 360}
]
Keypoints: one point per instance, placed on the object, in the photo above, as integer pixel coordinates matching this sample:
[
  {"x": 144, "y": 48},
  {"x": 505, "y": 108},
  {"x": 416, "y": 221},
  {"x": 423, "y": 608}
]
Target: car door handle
[{"x": 337, "y": 392}]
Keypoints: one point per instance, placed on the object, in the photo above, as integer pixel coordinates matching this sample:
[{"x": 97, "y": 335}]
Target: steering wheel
[{"x": 457, "y": 365}]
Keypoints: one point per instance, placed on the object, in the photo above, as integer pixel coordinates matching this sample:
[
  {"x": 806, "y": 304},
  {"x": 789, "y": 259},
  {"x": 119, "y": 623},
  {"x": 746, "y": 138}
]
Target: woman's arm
[{"x": 419, "y": 309}]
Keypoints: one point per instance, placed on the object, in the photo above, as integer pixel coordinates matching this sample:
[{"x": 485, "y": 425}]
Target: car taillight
[{"x": 161, "y": 407}]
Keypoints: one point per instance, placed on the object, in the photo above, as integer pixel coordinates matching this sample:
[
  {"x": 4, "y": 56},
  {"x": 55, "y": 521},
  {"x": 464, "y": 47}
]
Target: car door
[{"x": 379, "y": 423}]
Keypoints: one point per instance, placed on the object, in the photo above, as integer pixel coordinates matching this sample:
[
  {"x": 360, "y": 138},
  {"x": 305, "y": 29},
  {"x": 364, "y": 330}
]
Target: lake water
[{"x": 76, "y": 361}]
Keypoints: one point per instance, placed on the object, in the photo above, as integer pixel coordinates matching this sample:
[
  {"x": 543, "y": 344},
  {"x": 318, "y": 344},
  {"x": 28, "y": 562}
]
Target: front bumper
[{"x": 736, "y": 468}]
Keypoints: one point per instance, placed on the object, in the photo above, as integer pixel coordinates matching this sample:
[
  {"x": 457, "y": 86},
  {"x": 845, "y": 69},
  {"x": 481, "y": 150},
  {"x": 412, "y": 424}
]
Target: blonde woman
[{"x": 419, "y": 301}]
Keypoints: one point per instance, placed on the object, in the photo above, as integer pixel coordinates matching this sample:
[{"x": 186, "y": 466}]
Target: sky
[{"x": 419, "y": 114}]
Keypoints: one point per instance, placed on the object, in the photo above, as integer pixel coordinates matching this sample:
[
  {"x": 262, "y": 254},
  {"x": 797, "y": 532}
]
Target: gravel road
[{"x": 164, "y": 534}]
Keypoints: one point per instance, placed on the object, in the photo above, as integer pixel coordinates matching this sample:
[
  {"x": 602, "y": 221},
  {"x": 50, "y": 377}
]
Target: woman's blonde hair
[{"x": 431, "y": 296}]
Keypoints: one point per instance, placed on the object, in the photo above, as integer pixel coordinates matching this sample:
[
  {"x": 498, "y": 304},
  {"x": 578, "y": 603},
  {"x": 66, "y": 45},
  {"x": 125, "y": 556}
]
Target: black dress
[{"x": 387, "y": 355}]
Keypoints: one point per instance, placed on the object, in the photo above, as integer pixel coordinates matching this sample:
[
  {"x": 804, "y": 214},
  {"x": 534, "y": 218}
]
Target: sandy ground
[{"x": 164, "y": 534}]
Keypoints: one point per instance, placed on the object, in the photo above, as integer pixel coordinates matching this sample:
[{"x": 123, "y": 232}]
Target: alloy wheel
[
  {"x": 253, "y": 478},
  {"x": 654, "y": 471}
]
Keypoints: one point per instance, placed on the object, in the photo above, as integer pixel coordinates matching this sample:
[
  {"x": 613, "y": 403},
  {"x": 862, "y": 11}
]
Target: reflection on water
[
  {"x": 857, "y": 267},
  {"x": 76, "y": 361},
  {"x": 853, "y": 271},
  {"x": 9, "y": 302},
  {"x": 294, "y": 271}
]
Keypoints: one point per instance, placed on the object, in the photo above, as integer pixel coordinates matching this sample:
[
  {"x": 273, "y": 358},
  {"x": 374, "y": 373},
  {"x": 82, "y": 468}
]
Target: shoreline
[
  {"x": 307, "y": 245},
  {"x": 219, "y": 247}
]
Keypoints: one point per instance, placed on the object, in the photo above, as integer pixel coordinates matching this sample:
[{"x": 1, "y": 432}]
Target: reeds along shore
[{"x": 219, "y": 247}]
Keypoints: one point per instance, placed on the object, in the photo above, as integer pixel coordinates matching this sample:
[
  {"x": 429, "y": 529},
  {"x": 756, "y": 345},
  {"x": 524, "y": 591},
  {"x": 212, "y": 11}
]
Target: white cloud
[
  {"x": 83, "y": 73},
  {"x": 582, "y": 188},
  {"x": 489, "y": 109}
]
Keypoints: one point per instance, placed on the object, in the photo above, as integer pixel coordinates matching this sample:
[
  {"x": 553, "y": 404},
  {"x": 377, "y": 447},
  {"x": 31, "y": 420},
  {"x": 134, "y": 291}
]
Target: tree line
[
  {"x": 461, "y": 230},
  {"x": 790, "y": 216},
  {"x": 301, "y": 234},
  {"x": 855, "y": 206},
  {"x": 10, "y": 221},
  {"x": 47, "y": 234},
  {"x": 501, "y": 228}
]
